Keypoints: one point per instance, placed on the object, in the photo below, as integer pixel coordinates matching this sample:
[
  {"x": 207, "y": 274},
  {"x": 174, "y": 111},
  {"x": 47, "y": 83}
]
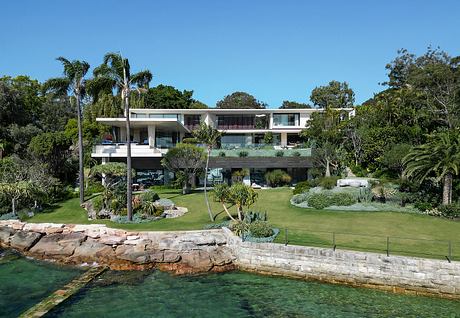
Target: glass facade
[
  {"x": 165, "y": 139},
  {"x": 192, "y": 121},
  {"x": 286, "y": 119},
  {"x": 235, "y": 122},
  {"x": 235, "y": 141}
]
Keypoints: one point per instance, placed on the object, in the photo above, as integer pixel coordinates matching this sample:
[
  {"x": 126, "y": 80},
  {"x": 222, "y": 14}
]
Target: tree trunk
[
  {"x": 185, "y": 188},
  {"x": 81, "y": 177},
  {"x": 328, "y": 169},
  {"x": 13, "y": 205},
  {"x": 447, "y": 189},
  {"x": 240, "y": 215},
  {"x": 205, "y": 186},
  {"x": 226, "y": 211},
  {"x": 129, "y": 180}
]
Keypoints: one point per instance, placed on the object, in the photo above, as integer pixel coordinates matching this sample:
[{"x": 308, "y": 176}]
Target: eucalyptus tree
[
  {"x": 209, "y": 136},
  {"x": 115, "y": 73},
  {"x": 74, "y": 82},
  {"x": 438, "y": 158}
]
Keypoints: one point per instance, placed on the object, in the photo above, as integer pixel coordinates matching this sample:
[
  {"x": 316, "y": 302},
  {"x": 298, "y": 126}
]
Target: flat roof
[{"x": 229, "y": 111}]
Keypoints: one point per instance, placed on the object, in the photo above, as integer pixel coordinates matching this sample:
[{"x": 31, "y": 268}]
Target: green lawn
[{"x": 409, "y": 234}]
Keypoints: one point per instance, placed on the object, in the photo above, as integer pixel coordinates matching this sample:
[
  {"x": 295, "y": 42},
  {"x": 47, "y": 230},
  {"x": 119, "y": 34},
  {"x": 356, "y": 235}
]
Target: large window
[
  {"x": 235, "y": 122},
  {"x": 165, "y": 139},
  {"x": 231, "y": 141},
  {"x": 175, "y": 116},
  {"x": 192, "y": 121},
  {"x": 286, "y": 119}
]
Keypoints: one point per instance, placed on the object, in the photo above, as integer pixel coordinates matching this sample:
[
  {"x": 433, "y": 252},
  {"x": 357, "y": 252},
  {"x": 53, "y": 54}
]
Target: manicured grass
[{"x": 409, "y": 234}]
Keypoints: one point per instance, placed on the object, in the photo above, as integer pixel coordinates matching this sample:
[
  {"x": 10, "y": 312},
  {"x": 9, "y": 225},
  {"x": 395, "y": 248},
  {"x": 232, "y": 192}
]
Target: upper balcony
[{"x": 119, "y": 150}]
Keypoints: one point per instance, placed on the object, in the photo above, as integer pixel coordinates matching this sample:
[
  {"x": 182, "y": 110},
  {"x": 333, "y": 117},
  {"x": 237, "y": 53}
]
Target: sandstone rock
[
  {"x": 112, "y": 240},
  {"x": 5, "y": 234},
  {"x": 24, "y": 240},
  {"x": 92, "y": 250},
  {"x": 132, "y": 237},
  {"x": 171, "y": 257},
  {"x": 58, "y": 245},
  {"x": 199, "y": 260},
  {"x": 132, "y": 254},
  {"x": 221, "y": 257},
  {"x": 17, "y": 225}
]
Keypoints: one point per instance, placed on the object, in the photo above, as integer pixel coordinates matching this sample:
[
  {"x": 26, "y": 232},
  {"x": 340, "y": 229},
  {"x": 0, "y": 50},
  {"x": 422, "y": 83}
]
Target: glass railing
[{"x": 266, "y": 151}]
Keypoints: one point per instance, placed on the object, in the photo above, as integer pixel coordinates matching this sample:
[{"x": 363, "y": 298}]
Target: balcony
[
  {"x": 119, "y": 150},
  {"x": 276, "y": 151}
]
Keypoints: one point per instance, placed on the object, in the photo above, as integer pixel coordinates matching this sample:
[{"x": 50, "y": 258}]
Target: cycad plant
[
  {"x": 439, "y": 158},
  {"x": 115, "y": 73},
  {"x": 73, "y": 82},
  {"x": 209, "y": 136}
]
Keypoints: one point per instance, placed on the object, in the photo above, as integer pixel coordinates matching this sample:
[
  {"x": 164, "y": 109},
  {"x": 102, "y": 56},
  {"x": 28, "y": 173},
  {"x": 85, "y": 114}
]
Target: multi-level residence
[{"x": 255, "y": 139}]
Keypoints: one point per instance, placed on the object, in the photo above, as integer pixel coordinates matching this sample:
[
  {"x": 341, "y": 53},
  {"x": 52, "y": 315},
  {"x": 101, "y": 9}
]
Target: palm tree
[
  {"x": 115, "y": 73},
  {"x": 74, "y": 82},
  {"x": 208, "y": 135},
  {"x": 439, "y": 157}
]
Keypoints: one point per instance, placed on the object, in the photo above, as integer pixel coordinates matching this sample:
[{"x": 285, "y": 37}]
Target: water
[{"x": 236, "y": 294}]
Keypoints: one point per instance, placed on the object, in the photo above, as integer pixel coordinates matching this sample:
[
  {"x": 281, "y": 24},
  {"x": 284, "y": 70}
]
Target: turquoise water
[
  {"x": 24, "y": 282},
  {"x": 236, "y": 294}
]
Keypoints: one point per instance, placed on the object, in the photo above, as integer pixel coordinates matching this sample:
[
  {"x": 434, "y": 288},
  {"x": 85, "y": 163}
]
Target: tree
[
  {"x": 293, "y": 105},
  {"x": 240, "y": 100},
  {"x": 334, "y": 95},
  {"x": 16, "y": 191},
  {"x": 115, "y": 73},
  {"x": 168, "y": 97},
  {"x": 221, "y": 194},
  {"x": 328, "y": 156},
  {"x": 241, "y": 195},
  {"x": 198, "y": 105},
  {"x": 185, "y": 160},
  {"x": 393, "y": 158},
  {"x": 74, "y": 82},
  {"x": 438, "y": 158},
  {"x": 209, "y": 136}
]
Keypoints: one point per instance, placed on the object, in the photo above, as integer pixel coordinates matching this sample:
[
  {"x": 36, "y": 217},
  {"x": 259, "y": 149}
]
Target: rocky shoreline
[{"x": 184, "y": 252}]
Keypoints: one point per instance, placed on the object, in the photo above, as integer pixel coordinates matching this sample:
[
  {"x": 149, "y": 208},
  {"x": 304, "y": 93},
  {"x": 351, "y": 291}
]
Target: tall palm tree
[
  {"x": 209, "y": 136},
  {"x": 74, "y": 82},
  {"x": 439, "y": 157},
  {"x": 115, "y": 73}
]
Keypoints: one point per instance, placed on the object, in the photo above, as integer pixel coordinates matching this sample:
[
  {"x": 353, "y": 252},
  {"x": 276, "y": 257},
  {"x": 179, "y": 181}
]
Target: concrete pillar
[
  {"x": 270, "y": 123},
  {"x": 283, "y": 139},
  {"x": 104, "y": 161},
  {"x": 151, "y": 132}
]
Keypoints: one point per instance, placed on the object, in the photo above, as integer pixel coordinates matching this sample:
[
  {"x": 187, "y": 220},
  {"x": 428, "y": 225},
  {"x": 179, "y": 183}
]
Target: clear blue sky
[{"x": 275, "y": 50}]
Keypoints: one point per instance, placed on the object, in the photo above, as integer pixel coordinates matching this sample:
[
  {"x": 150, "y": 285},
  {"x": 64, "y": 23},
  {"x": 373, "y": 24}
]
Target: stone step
[{"x": 47, "y": 304}]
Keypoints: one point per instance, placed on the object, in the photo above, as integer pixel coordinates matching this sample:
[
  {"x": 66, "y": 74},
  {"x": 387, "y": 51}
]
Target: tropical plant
[
  {"x": 438, "y": 158},
  {"x": 209, "y": 136},
  {"x": 241, "y": 196},
  {"x": 185, "y": 160},
  {"x": 15, "y": 191},
  {"x": 221, "y": 194},
  {"x": 115, "y": 72},
  {"x": 277, "y": 178},
  {"x": 74, "y": 82}
]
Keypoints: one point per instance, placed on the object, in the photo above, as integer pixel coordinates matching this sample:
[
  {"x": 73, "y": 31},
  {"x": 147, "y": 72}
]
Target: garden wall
[{"x": 394, "y": 273}]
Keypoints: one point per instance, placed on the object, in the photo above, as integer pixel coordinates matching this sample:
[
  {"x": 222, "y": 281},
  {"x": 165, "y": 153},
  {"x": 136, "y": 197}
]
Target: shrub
[
  {"x": 277, "y": 178},
  {"x": 222, "y": 154},
  {"x": 239, "y": 227},
  {"x": 251, "y": 216},
  {"x": 279, "y": 153},
  {"x": 296, "y": 154},
  {"x": 149, "y": 195},
  {"x": 301, "y": 187},
  {"x": 189, "y": 140},
  {"x": 424, "y": 206},
  {"x": 94, "y": 187},
  {"x": 319, "y": 201},
  {"x": 300, "y": 198},
  {"x": 450, "y": 211},
  {"x": 243, "y": 153},
  {"x": 260, "y": 229},
  {"x": 97, "y": 203},
  {"x": 268, "y": 138},
  {"x": 322, "y": 200},
  {"x": 328, "y": 182}
]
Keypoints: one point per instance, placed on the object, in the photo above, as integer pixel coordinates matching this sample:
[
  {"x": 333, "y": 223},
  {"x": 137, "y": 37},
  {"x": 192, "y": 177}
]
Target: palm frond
[
  {"x": 58, "y": 85},
  {"x": 142, "y": 78}
]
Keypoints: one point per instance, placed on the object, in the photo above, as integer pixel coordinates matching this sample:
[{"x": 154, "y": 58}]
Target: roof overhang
[{"x": 161, "y": 123}]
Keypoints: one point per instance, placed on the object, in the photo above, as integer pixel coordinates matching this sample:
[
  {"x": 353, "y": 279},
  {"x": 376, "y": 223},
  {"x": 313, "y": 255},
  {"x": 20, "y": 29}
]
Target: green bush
[
  {"x": 319, "y": 201},
  {"x": 277, "y": 178},
  {"x": 239, "y": 227},
  {"x": 301, "y": 187},
  {"x": 279, "y": 153},
  {"x": 296, "y": 154},
  {"x": 260, "y": 229},
  {"x": 424, "y": 206},
  {"x": 323, "y": 200},
  {"x": 222, "y": 154},
  {"x": 450, "y": 211},
  {"x": 189, "y": 140},
  {"x": 328, "y": 182},
  {"x": 149, "y": 195},
  {"x": 97, "y": 203},
  {"x": 243, "y": 153},
  {"x": 94, "y": 187},
  {"x": 150, "y": 208}
]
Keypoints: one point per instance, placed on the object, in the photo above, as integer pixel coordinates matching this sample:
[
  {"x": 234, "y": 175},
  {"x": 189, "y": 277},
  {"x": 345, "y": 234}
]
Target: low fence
[{"x": 390, "y": 245}]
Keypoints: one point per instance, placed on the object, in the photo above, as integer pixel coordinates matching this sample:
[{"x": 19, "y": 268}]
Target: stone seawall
[
  {"x": 183, "y": 252},
  {"x": 399, "y": 274},
  {"x": 188, "y": 252}
]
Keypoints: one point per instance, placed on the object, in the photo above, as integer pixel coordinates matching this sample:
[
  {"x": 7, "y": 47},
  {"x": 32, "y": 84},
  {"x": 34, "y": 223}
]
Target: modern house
[{"x": 255, "y": 139}]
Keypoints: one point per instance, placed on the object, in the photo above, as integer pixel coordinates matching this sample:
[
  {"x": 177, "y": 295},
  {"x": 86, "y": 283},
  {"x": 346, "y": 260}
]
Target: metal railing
[{"x": 385, "y": 244}]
